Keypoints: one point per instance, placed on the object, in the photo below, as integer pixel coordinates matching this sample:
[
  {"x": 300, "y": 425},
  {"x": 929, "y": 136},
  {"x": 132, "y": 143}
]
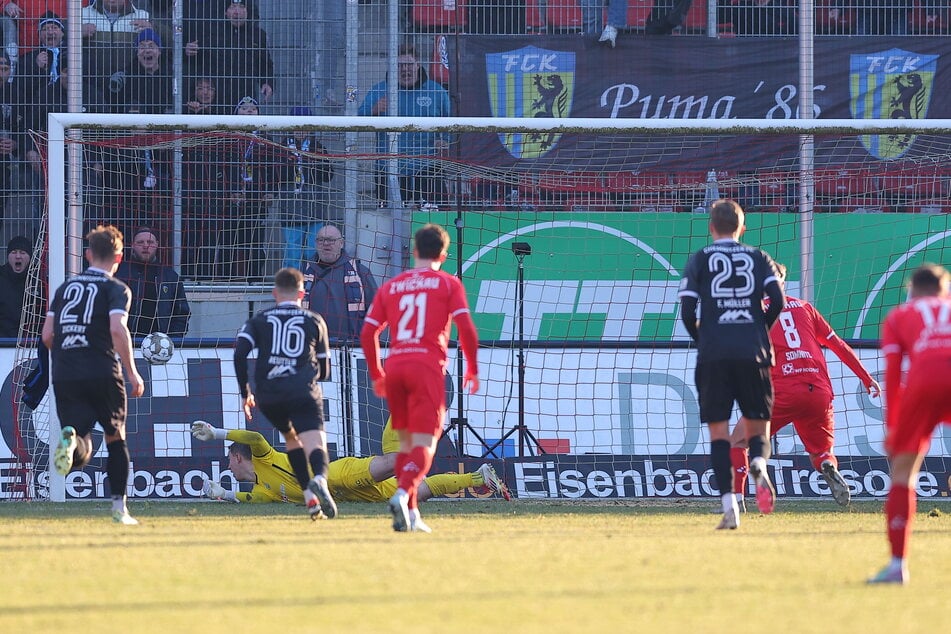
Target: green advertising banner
[{"x": 614, "y": 276}]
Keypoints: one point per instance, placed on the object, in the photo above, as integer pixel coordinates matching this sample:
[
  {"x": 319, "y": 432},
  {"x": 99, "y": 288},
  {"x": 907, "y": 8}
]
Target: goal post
[{"x": 607, "y": 405}]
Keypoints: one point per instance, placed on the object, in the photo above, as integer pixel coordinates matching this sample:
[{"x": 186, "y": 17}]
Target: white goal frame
[
  {"x": 65, "y": 207},
  {"x": 59, "y": 123}
]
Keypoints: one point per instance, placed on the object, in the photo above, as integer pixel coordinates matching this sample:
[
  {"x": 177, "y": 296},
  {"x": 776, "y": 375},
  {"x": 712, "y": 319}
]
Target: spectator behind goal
[
  {"x": 339, "y": 288},
  {"x": 109, "y": 26},
  {"x": 158, "y": 295},
  {"x": 420, "y": 180},
  {"x": 13, "y": 285},
  {"x": 303, "y": 195}
]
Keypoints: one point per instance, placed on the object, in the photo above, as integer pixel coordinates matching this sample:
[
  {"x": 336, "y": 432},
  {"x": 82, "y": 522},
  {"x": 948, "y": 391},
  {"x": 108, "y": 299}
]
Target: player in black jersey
[
  {"x": 721, "y": 296},
  {"x": 293, "y": 355},
  {"x": 85, "y": 329}
]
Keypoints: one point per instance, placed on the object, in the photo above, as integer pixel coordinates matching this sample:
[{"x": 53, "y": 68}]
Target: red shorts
[
  {"x": 924, "y": 405},
  {"x": 809, "y": 408},
  {"x": 416, "y": 395}
]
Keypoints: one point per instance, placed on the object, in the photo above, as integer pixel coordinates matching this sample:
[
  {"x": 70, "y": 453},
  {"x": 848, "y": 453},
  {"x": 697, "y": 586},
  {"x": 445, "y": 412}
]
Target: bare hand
[
  {"x": 379, "y": 387},
  {"x": 7, "y": 145},
  {"x": 89, "y": 29},
  {"x": 138, "y": 385},
  {"x": 247, "y": 404},
  {"x": 470, "y": 382},
  {"x": 141, "y": 25},
  {"x": 874, "y": 389},
  {"x": 379, "y": 107},
  {"x": 13, "y": 10},
  {"x": 42, "y": 59},
  {"x": 266, "y": 91},
  {"x": 191, "y": 48}
]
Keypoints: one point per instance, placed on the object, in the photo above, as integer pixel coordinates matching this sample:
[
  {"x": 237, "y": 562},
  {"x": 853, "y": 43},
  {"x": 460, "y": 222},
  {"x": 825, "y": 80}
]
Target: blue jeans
[
  {"x": 300, "y": 240},
  {"x": 592, "y": 18}
]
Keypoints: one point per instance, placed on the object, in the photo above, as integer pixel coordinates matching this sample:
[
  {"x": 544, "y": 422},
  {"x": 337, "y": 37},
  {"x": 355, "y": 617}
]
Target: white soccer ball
[{"x": 157, "y": 348}]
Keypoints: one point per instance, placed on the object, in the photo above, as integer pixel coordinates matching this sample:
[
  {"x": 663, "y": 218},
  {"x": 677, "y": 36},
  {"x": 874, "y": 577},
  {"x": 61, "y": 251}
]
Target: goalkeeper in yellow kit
[{"x": 252, "y": 459}]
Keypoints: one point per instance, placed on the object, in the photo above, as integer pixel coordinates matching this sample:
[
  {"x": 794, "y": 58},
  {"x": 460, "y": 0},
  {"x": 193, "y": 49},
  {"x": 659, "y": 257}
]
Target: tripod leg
[
  {"x": 491, "y": 450},
  {"x": 524, "y": 434},
  {"x": 461, "y": 425}
]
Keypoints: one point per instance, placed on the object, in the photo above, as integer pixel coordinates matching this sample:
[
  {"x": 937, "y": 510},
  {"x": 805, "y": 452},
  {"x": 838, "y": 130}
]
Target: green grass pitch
[{"x": 489, "y": 566}]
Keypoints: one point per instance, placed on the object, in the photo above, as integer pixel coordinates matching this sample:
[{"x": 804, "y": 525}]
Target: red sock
[
  {"x": 414, "y": 469},
  {"x": 398, "y": 465},
  {"x": 412, "y": 502},
  {"x": 818, "y": 460},
  {"x": 900, "y": 511},
  {"x": 741, "y": 467}
]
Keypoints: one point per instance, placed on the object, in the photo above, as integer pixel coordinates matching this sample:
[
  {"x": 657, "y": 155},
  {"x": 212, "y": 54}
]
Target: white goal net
[{"x": 571, "y": 261}]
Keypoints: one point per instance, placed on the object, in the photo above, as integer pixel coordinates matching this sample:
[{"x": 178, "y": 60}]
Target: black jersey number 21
[{"x": 78, "y": 303}]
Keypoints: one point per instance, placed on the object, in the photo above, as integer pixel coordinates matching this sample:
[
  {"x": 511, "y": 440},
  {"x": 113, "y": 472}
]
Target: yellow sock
[
  {"x": 477, "y": 479},
  {"x": 449, "y": 483}
]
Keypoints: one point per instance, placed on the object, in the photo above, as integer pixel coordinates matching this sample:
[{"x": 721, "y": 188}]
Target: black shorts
[
  {"x": 721, "y": 383},
  {"x": 81, "y": 404},
  {"x": 303, "y": 414}
]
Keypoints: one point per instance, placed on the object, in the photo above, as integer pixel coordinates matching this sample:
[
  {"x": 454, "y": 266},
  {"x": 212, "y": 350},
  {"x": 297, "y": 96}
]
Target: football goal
[{"x": 570, "y": 236}]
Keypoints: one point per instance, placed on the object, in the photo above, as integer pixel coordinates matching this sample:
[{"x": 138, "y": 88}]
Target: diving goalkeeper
[{"x": 252, "y": 459}]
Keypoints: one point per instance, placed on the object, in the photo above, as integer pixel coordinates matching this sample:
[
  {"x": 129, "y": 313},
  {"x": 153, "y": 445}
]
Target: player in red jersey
[
  {"x": 419, "y": 305},
  {"x": 918, "y": 332},
  {"x": 803, "y": 391}
]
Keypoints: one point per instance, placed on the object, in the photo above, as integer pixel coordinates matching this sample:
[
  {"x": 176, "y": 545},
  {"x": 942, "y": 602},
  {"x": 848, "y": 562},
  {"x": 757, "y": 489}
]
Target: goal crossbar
[{"x": 59, "y": 121}]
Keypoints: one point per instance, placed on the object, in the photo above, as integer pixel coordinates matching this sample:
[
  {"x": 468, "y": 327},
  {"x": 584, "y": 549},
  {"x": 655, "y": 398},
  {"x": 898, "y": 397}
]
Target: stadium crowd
[{"x": 230, "y": 65}]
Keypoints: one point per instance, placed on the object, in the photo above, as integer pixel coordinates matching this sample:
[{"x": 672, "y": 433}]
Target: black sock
[
  {"x": 117, "y": 467},
  {"x": 299, "y": 465},
  {"x": 318, "y": 462},
  {"x": 722, "y": 467},
  {"x": 759, "y": 446},
  {"x": 82, "y": 453}
]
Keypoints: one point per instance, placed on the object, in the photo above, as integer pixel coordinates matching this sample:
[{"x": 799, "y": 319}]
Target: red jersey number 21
[{"x": 412, "y": 316}]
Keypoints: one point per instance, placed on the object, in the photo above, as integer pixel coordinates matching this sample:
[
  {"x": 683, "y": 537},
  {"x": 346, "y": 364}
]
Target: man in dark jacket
[
  {"x": 13, "y": 284},
  {"x": 12, "y": 296},
  {"x": 42, "y": 65},
  {"x": 158, "y": 295},
  {"x": 145, "y": 85},
  {"x": 242, "y": 58},
  {"x": 339, "y": 287}
]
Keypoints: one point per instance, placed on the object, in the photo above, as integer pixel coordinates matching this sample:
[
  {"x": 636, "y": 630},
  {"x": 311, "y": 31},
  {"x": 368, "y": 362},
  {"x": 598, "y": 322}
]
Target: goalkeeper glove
[
  {"x": 204, "y": 431},
  {"x": 213, "y": 490}
]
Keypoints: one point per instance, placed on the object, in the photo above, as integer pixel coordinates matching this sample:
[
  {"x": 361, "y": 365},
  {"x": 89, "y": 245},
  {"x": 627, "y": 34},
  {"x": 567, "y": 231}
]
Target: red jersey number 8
[{"x": 788, "y": 324}]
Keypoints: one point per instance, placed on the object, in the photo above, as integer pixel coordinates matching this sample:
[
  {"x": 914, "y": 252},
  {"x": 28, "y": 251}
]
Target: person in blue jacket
[{"x": 420, "y": 179}]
